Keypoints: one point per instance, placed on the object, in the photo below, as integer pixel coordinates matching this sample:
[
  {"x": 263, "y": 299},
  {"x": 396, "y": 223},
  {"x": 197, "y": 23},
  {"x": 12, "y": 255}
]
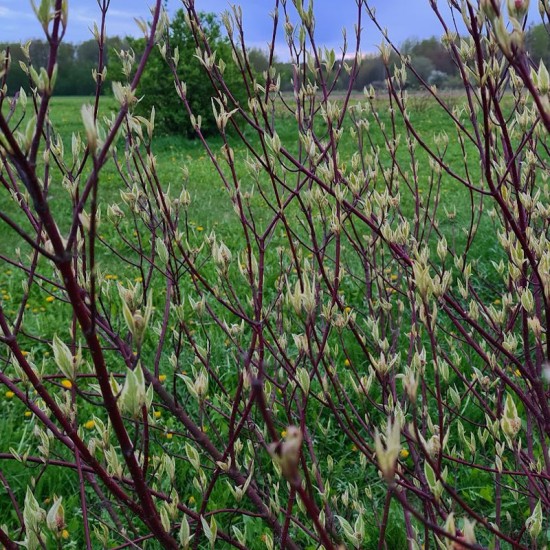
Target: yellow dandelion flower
[
  {"x": 200, "y": 228},
  {"x": 138, "y": 279},
  {"x": 50, "y": 299},
  {"x": 497, "y": 302},
  {"x": 191, "y": 500},
  {"x": 517, "y": 373},
  {"x": 89, "y": 425},
  {"x": 283, "y": 433},
  {"x": 65, "y": 534},
  {"x": 347, "y": 362},
  {"x": 347, "y": 309},
  {"x": 157, "y": 414},
  {"x": 393, "y": 277},
  {"x": 9, "y": 394},
  {"x": 169, "y": 435},
  {"x": 28, "y": 414},
  {"x": 24, "y": 353},
  {"x": 162, "y": 377},
  {"x": 67, "y": 384},
  {"x": 404, "y": 453}
]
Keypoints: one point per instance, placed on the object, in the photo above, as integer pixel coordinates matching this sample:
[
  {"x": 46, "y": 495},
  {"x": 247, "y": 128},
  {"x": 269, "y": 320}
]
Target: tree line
[
  {"x": 429, "y": 57},
  {"x": 75, "y": 64}
]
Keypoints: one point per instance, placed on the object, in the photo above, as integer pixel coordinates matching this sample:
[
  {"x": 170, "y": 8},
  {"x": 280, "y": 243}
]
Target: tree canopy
[
  {"x": 76, "y": 62},
  {"x": 157, "y": 85}
]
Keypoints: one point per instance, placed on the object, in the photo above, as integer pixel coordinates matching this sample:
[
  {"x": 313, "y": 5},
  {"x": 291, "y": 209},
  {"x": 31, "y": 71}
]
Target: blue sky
[{"x": 403, "y": 18}]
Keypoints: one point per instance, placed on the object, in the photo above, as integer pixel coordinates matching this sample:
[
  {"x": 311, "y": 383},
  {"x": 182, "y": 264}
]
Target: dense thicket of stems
[{"x": 361, "y": 360}]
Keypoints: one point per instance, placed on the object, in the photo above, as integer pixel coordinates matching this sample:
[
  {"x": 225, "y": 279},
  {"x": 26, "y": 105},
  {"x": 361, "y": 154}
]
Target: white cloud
[
  {"x": 81, "y": 17},
  {"x": 8, "y": 13},
  {"x": 121, "y": 13}
]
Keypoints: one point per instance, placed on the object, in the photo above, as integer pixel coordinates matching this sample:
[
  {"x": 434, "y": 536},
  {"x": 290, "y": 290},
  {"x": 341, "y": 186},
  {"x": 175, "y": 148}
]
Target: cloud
[
  {"x": 122, "y": 14},
  {"x": 8, "y": 13},
  {"x": 82, "y": 17}
]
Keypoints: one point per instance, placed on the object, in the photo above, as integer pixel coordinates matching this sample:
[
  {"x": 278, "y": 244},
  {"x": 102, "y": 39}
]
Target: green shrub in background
[{"x": 157, "y": 84}]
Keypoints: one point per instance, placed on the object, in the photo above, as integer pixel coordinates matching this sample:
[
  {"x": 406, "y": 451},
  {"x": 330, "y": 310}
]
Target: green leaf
[{"x": 430, "y": 475}]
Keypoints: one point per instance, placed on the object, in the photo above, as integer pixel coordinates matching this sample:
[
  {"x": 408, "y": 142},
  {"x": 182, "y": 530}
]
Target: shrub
[
  {"x": 357, "y": 355},
  {"x": 156, "y": 86}
]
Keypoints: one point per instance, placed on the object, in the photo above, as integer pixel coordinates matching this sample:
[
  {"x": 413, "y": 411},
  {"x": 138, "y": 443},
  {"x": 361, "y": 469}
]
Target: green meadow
[{"x": 183, "y": 162}]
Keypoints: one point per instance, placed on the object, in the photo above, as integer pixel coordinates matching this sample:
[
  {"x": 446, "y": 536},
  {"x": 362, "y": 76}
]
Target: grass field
[
  {"x": 211, "y": 208},
  {"x": 47, "y": 312},
  {"x": 175, "y": 153}
]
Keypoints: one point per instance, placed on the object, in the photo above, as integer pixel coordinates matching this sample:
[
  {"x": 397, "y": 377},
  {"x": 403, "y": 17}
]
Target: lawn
[{"x": 195, "y": 341}]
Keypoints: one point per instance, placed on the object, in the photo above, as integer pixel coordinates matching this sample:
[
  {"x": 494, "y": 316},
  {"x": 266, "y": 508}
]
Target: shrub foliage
[
  {"x": 156, "y": 87},
  {"x": 356, "y": 356}
]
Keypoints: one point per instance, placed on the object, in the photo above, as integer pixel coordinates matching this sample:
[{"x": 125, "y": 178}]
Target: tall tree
[
  {"x": 537, "y": 40},
  {"x": 157, "y": 87}
]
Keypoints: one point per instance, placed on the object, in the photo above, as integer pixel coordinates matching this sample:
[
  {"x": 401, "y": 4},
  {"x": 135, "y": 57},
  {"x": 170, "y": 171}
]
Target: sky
[{"x": 403, "y": 19}]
